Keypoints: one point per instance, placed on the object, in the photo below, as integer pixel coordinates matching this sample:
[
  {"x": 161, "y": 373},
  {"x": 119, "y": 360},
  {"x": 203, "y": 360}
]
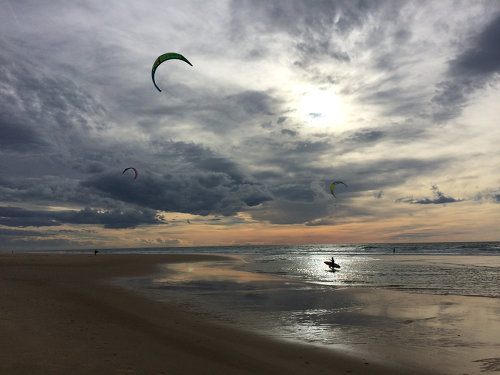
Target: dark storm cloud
[
  {"x": 41, "y": 112},
  {"x": 52, "y": 111},
  {"x": 294, "y": 192},
  {"x": 17, "y": 136},
  {"x": 17, "y": 132},
  {"x": 488, "y": 195},
  {"x": 471, "y": 70},
  {"x": 197, "y": 181},
  {"x": 290, "y": 155},
  {"x": 201, "y": 194},
  {"x": 39, "y": 94},
  {"x": 322, "y": 210},
  {"x": 452, "y": 95},
  {"x": 439, "y": 198},
  {"x": 229, "y": 113},
  {"x": 483, "y": 55},
  {"x": 199, "y": 157},
  {"x": 385, "y": 173},
  {"x": 47, "y": 190},
  {"x": 58, "y": 110},
  {"x": 19, "y": 217},
  {"x": 212, "y": 110},
  {"x": 115, "y": 218},
  {"x": 301, "y": 191},
  {"x": 289, "y": 162}
]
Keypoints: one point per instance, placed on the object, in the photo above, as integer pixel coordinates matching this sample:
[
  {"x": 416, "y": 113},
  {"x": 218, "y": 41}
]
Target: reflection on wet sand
[
  {"x": 211, "y": 271},
  {"x": 446, "y": 332}
]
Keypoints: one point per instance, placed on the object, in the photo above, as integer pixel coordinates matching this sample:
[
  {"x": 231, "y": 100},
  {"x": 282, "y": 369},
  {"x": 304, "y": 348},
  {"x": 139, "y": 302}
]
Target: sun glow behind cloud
[{"x": 320, "y": 109}]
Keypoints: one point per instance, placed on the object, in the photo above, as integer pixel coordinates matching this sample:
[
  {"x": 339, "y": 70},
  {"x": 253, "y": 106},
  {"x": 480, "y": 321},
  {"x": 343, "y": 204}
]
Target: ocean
[{"x": 449, "y": 268}]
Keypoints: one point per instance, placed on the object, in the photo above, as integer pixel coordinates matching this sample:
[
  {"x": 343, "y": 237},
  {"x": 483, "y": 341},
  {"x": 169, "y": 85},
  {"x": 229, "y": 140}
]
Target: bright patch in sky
[{"x": 320, "y": 108}]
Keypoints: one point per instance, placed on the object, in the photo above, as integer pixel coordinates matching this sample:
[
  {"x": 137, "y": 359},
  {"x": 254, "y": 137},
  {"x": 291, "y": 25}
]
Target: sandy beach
[{"x": 58, "y": 316}]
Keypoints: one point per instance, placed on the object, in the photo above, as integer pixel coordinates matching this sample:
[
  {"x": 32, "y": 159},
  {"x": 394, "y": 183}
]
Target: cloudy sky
[{"x": 400, "y": 100}]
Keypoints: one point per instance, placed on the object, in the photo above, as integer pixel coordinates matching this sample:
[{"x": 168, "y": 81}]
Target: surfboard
[{"x": 330, "y": 264}]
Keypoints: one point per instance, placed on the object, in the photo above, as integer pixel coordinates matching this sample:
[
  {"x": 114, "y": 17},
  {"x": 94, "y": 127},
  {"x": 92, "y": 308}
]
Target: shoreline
[
  {"x": 59, "y": 316},
  {"x": 445, "y": 332}
]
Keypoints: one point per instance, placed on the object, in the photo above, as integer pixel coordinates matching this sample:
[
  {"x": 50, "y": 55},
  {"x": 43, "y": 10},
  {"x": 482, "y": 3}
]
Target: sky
[{"x": 397, "y": 99}]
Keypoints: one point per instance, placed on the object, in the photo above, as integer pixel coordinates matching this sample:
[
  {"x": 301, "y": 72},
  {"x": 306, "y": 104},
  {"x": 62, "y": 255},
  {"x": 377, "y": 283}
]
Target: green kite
[{"x": 165, "y": 57}]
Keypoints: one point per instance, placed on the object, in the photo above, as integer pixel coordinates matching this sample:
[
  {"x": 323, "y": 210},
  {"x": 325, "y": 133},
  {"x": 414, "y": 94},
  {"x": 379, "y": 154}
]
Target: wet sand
[
  {"x": 59, "y": 316},
  {"x": 451, "y": 333}
]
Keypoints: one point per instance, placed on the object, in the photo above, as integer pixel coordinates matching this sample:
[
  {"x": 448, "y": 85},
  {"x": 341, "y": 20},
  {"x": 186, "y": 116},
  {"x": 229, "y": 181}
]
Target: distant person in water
[
  {"x": 394, "y": 250},
  {"x": 96, "y": 251}
]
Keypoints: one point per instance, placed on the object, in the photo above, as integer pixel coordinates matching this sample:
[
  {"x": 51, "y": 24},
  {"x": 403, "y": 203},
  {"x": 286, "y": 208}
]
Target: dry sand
[{"x": 58, "y": 317}]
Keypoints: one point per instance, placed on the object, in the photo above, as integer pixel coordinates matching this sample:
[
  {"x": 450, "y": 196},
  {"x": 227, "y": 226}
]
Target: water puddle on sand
[{"x": 450, "y": 333}]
